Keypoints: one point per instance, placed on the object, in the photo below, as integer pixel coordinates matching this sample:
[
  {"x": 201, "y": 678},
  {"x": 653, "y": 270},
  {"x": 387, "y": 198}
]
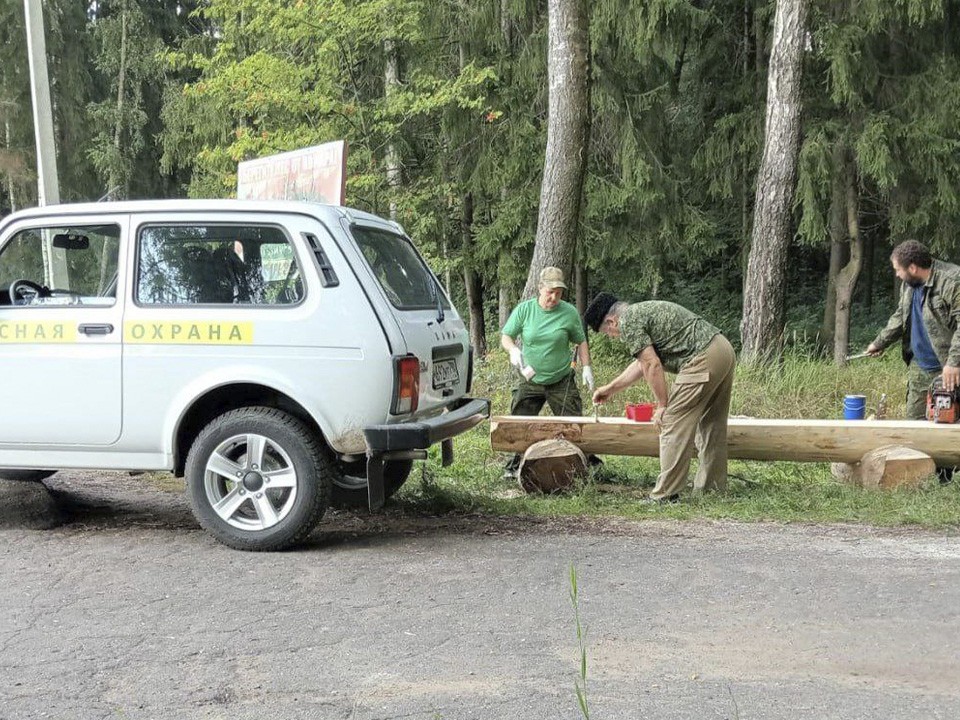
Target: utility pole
[{"x": 48, "y": 187}]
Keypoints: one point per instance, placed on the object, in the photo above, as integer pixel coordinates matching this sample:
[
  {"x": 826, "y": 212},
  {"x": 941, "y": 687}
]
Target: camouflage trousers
[
  {"x": 918, "y": 383},
  {"x": 563, "y": 397}
]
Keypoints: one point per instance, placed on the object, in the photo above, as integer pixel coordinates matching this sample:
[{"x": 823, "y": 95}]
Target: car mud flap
[{"x": 376, "y": 493}]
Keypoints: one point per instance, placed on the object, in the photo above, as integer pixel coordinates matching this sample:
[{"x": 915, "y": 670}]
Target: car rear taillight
[{"x": 406, "y": 385}]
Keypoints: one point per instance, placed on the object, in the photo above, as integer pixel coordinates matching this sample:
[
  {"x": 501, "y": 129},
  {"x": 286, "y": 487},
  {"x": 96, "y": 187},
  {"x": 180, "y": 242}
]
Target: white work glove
[
  {"x": 588, "y": 377},
  {"x": 516, "y": 357}
]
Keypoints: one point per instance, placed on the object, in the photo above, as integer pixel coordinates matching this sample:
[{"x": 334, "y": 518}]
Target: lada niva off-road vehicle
[{"x": 279, "y": 355}]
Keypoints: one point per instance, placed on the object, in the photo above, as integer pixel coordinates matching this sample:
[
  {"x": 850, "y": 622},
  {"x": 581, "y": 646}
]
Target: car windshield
[{"x": 401, "y": 272}]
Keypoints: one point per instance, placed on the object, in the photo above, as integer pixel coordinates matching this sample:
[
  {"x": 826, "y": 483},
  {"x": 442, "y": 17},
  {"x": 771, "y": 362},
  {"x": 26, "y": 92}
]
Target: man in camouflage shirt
[
  {"x": 926, "y": 321},
  {"x": 693, "y": 416}
]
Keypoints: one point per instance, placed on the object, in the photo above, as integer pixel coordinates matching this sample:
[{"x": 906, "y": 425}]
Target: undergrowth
[{"x": 800, "y": 387}]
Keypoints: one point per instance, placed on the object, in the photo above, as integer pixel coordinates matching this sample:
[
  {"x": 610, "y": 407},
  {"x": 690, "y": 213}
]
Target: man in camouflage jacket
[
  {"x": 926, "y": 321},
  {"x": 693, "y": 416}
]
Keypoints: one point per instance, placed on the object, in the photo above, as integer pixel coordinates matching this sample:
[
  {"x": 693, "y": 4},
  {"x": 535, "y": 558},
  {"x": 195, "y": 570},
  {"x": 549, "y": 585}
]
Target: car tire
[
  {"x": 26, "y": 475},
  {"x": 350, "y": 485},
  {"x": 258, "y": 479}
]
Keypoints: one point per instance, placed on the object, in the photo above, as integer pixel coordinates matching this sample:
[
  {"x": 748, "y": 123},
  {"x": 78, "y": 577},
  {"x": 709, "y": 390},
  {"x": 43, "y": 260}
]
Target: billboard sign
[{"x": 315, "y": 173}]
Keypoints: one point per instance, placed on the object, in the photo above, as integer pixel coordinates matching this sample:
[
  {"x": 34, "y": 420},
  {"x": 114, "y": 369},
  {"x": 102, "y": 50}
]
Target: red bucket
[{"x": 640, "y": 412}]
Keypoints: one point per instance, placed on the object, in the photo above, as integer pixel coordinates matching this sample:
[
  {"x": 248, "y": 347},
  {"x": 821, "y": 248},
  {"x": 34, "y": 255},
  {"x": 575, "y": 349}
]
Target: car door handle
[{"x": 96, "y": 329}]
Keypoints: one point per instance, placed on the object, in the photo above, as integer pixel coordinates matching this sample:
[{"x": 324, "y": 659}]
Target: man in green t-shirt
[
  {"x": 548, "y": 327},
  {"x": 693, "y": 417}
]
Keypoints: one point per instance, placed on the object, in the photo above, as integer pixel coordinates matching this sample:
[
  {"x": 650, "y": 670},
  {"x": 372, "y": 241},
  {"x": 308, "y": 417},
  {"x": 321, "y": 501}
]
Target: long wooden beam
[{"x": 747, "y": 438}]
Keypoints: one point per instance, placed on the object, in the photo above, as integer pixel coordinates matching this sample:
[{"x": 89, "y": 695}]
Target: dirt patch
[{"x": 28, "y": 505}]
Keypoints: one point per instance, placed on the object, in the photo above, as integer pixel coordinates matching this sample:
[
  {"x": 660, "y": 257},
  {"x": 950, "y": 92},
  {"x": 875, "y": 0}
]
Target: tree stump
[
  {"x": 887, "y": 467},
  {"x": 551, "y": 466}
]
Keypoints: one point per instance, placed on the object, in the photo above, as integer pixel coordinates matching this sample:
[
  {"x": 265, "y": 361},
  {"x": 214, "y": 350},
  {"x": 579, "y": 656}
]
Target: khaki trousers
[{"x": 696, "y": 419}]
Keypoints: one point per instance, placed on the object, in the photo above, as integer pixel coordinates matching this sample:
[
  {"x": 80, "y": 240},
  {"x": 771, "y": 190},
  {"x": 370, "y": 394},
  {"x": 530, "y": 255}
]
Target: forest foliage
[{"x": 162, "y": 98}]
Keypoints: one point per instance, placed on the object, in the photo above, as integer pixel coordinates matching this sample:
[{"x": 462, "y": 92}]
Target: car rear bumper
[{"x": 410, "y": 440}]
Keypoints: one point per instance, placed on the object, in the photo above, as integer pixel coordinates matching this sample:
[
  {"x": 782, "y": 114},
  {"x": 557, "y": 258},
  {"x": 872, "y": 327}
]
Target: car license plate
[{"x": 445, "y": 373}]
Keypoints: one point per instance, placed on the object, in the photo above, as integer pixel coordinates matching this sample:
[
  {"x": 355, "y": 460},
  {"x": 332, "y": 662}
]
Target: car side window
[
  {"x": 62, "y": 265},
  {"x": 401, "y": 272},
  {"x": 216, "y": 265}
]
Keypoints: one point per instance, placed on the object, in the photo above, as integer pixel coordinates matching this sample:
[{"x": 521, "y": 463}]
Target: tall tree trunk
[
  {"x": 506, "y": 290},
  {"x": 761, "y": 329},
  {"x": 568, "y": 137},
  {"x": 678, "y": 70},
  {"x": 838, "y": 246},
  {"x": 10, "y": 184},
  {"x": 847, "y": 279},
  {"x": 117, "y": 179},
  {"x": 447, "y": 273},
  {"x": 581, "y": 287},
  {"x": 869, "y": 263},
  {"x": 504, "y": 304},
  {"x": 391, "y": 80},
  {"x": 472, "y": 282},
  {"x": 749, "y": 57},
  {"x": 760, "y": 56},
  {"x": 506, "y": 26},
  {"x": 472, "y": 279},
  {"x": 830, "y": 301}
]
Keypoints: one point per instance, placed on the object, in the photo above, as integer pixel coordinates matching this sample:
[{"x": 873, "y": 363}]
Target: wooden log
[
  {"x": 894, "y": 466},
  {"x": 747, "y": 438},
  {"x": 551, "y": 466}
]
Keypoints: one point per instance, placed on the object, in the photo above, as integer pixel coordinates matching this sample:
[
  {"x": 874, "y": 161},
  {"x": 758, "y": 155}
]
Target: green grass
[{"x": 758, "y": 491}]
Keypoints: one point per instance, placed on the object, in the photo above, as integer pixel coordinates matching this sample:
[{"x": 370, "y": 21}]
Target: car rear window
[{"x": 404, "y": 276}]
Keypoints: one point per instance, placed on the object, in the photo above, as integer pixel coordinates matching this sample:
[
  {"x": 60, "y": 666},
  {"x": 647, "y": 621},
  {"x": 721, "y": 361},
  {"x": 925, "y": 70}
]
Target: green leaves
[{"x": 580, "y": 686}]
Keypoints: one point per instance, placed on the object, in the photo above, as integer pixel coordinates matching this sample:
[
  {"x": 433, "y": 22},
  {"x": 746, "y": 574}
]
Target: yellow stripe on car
[
  {"x": 38, "y": 332},
  {"x": 188, "y": 333}
]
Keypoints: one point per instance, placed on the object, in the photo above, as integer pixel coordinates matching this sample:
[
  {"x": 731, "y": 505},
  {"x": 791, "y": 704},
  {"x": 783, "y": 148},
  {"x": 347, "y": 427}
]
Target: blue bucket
[{"x": 854, "y": 407}]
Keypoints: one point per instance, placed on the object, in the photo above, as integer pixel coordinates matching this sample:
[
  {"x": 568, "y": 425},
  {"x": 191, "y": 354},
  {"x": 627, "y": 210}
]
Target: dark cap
[{"x": 597, "y": 310}]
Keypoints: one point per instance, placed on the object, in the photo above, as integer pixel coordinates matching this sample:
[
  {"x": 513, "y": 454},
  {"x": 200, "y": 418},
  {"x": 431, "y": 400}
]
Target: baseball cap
[{"x": 552, "y": 277}]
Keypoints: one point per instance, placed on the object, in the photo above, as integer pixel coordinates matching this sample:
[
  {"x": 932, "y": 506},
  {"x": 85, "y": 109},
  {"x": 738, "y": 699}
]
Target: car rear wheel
[
  {"x": 350, "y": 486},
  {"x": 258, "y": 479},
  {"x": 26, "y": 475}
]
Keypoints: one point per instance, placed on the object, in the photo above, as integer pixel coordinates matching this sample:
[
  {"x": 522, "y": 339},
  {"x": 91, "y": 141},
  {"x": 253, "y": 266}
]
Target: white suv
[{"x": 280, "y": 355}]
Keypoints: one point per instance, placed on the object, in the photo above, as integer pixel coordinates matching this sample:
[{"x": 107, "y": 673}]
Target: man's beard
[{"x": 913, "y": 281}]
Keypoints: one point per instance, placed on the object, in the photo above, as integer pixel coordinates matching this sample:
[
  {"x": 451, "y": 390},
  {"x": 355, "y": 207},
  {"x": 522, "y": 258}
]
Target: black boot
[
  {"x": 511, "y": 469},
  {"x": 945, "y": 475}
]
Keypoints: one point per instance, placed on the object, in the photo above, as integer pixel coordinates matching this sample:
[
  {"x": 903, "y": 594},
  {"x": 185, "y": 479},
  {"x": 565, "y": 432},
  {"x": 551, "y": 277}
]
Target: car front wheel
[{"x": 258, "y": 479}]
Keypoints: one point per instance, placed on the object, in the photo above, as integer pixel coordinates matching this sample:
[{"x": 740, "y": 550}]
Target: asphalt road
[{"x": 129, "y": 611}]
